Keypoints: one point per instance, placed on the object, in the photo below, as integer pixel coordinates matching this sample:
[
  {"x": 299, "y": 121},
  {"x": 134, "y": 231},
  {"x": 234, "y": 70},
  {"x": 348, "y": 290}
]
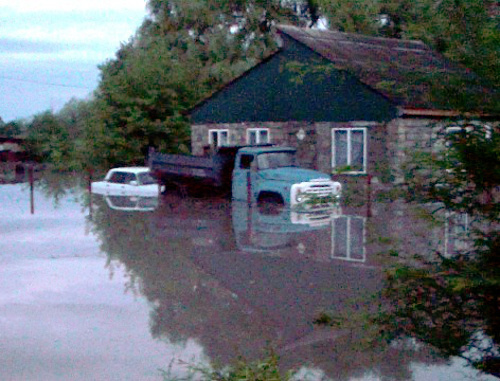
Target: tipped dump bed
[{"x": 214, "y": 170}]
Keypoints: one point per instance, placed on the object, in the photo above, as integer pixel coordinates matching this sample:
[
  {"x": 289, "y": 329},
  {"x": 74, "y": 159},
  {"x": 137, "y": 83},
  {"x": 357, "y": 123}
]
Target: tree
[
  {"x": 11, "y": 129},
  {"x": 184, "y": 51},
  {"x": 49, "y": 140},
  {"x": 465, "y": 31}
]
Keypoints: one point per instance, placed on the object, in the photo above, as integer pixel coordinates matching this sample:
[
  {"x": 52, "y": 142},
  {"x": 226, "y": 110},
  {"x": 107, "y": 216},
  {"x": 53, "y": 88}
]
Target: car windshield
[
  {"x": 145, "y": 178},
  {"x": 276, "y": 160}
]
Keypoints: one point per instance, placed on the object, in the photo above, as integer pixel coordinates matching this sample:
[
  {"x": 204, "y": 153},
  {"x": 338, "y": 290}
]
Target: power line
[{"x": 44, "y": 83}]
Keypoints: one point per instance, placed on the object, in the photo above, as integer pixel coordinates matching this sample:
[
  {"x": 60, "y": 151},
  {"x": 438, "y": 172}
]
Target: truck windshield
[{"x": 276, "y": 160}]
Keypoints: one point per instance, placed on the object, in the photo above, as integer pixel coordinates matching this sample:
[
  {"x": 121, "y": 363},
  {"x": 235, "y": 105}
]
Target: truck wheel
[{"x": 270, "y": 204}]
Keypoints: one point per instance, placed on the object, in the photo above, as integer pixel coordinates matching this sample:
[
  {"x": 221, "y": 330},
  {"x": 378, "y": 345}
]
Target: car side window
[
  {"x": 246, "y": 161},
  {"x": 129, "y": 177},
  {"x": 122, "y": 178},
  {"x": 117, "y": 177}
]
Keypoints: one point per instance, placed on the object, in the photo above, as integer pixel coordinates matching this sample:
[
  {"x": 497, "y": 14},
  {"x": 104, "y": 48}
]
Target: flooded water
[{"x": 117, "y": 288}]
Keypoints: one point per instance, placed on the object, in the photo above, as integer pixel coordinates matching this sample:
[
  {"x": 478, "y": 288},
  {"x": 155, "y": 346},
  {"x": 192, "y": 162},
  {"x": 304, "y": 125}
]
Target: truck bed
[{"x": 186, "y": 169}]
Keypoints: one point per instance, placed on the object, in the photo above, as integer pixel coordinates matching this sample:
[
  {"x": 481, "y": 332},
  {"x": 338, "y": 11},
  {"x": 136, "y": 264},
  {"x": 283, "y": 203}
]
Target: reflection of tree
[
  {"x": 454, "y": 313},
  {"x": 186, "y": 302},
  {"x": 451, "y": 302},
  {"x": 58, "y": 185},
  {"x": 235, "y": 303}
]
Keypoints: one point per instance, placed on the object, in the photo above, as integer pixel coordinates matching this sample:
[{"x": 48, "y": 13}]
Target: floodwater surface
[{"x": 113, "y": 288}]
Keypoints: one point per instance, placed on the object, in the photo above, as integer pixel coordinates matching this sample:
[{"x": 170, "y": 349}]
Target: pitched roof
[{"x": 407, "y": 72}]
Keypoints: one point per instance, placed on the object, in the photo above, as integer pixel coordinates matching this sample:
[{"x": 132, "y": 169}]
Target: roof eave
[{"x": 437, "y": 113}]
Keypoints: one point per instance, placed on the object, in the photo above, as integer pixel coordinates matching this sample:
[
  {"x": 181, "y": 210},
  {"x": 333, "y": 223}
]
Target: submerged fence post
[
  {"x": 89, "y": 187},
  {"x": 31, "y": 179}
]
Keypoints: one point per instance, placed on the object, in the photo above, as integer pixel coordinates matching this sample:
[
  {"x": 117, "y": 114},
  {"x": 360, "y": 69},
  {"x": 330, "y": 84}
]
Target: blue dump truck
[{"x": 263, "y": 174}]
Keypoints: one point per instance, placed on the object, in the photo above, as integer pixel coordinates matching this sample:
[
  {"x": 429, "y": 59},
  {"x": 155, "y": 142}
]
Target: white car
[{"x": 127, "y": 181}]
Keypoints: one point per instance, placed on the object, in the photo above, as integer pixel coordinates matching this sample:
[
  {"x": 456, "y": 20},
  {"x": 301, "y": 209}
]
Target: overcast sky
[{"x": 50, "y": 49}]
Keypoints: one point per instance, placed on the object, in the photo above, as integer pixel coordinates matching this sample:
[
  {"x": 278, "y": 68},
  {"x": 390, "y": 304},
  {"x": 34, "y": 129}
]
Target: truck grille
[{"x": 317, "y": 188}]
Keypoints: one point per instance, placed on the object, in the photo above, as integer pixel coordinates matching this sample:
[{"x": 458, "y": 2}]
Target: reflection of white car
[
  {"x": 127, "y": 181},
  {"x": 132, "y": 203}
]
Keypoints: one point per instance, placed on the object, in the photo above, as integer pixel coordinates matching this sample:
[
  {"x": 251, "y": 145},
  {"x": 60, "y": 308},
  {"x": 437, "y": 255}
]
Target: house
[
  {"x": 11, "y": 149},
  {"x": 351, "y": 104}
]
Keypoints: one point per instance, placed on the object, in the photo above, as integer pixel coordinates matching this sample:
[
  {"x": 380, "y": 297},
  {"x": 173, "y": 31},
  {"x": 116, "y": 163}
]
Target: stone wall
[
  {"x": 407, "y": 136},
  {"x": 312, "y": 140},
  {"x": 390, "y": 145}
]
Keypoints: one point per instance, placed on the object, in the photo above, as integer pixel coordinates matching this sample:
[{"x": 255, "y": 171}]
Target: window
[
  {"x": 456, "y": 234},
  {"x": 258, "y": 136},
  {"x": 246, "y": 161},
  {"x": 348, "y": 238},
  {"x": 455, "y": 136},
  {"x": 349, "y": 150},
  {"x": 218, "y": 138},
  {"x": 122, "y": 178},
  {"x": 276, "y": 160}
]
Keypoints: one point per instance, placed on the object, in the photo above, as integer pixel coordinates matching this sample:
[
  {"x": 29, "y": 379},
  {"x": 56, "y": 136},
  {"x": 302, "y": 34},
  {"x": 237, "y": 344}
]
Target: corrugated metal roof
[{"x": 407, "y": 72}]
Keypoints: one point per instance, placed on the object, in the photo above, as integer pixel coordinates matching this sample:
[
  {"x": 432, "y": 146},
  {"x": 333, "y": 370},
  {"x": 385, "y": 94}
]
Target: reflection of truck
[
  {"x": 254, "y": 174},
  {"x": 258, "y": 231},
  {"x": 222, "y": 225}
]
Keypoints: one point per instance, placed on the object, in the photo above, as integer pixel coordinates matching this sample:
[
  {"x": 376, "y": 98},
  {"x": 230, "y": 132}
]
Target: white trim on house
[
  {"x": 349, "y": 152},
  {"x": 258, "y": 132},
  {"x": 220, "y": 141}
]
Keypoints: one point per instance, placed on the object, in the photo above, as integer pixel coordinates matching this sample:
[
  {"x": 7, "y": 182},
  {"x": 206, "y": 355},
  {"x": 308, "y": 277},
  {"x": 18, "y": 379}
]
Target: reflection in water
[
  {"x": 132, "y": 203},
  {"x": 348, "y": 238},
  {"x": 237, "y": 280}
]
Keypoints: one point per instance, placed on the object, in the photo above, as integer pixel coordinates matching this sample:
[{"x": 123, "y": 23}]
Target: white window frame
[
  {"x": 365, "y": 149},
  {"x": 470, "y": 126},
  {"x": 348, "y": 257},
  {"x": 219, "y": 132},
  {"x": 257, "y": 131},
  {"x": 456, "y": 229}
]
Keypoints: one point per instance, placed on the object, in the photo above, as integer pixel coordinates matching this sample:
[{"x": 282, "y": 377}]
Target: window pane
[
  {"x": 264, "y": 137},
  {"x": 215, "y": 141},
  {"x": 252, "y": 137},
  {"x": 246, "y": 161},
  {"x": 340, "y": 148},
  {"x": 128, "y": 177},
  {"x": 223, "y": 138},
  {"x": 116, "y": 177},
  {"x": 340, "y": 238},
  {"x": 356, "y": 239},
  {"x": 357, "y": 150},
  {"x": 276, "y": 160}
]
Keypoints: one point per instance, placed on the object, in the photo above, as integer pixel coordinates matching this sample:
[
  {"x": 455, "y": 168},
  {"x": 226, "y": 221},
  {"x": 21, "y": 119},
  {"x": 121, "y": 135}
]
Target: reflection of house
[
  {"x": 347, "y": 102},
  {"x": 11, "y": 149},
  {"x": 348, "y": 238},
  {"x": 456, "y": 237}
]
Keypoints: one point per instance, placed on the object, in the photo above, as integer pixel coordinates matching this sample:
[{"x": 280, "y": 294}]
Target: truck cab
[{"x": 271, "y": 174}]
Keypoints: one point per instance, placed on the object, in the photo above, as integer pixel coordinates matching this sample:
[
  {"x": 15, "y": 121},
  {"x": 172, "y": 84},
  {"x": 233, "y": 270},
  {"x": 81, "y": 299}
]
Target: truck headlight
[{"x": 299, "y": 196}]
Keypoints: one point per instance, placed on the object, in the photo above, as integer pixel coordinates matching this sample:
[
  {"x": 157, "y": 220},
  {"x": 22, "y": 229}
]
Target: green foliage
[
  {"x": 182, "y": 53},
  {"x": 447, "y": 302},
  {"x": 462, "y": 172},
  {"x": 185, "y": 50},
  {"x": 317, "y": 70},
  {"x": 266, "y": 369},
  {"x": 11, "y": 129},
  {"x": 49, "y": 140}
]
